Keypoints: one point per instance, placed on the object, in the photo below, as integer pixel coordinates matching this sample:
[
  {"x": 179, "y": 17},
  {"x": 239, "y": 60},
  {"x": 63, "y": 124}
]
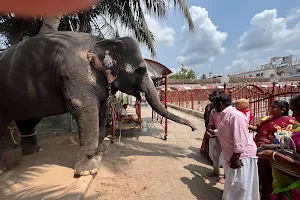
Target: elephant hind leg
[
  {"x": 3, "y": 126},
  {"x": 29, "y": 144}
]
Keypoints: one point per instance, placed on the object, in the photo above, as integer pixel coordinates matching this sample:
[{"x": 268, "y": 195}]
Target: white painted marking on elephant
[
  {"x": 108, "y": 61},
  {"x": 76, "y": 102},
  {"x": 83, "y": 54},
  {"x": 91, "y": 77},
  {"x": 129, "y": 68}
]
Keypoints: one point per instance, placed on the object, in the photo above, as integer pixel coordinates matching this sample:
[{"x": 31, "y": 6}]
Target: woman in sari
[
  {"x": 277, "y": 121},
  {"x": 286, "y": 186},
  {"x": 204, "y": 147}
]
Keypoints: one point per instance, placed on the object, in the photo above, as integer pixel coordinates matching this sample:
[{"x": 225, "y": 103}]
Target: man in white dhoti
[{"x": 239, "y": 152}]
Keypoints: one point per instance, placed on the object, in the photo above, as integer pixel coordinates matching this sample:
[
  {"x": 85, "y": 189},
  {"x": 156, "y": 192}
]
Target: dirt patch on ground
[
  {"x": 143, "y": 166},
  {"x": 44, "y": 175}
]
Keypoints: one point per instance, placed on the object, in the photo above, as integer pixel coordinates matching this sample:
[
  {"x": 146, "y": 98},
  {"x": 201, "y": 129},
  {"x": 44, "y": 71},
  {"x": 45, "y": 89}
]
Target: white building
[
  {"x": 282, "y": 66},
  {"x": 265, "y": 73},
  {"x": 289, "y": 70}
]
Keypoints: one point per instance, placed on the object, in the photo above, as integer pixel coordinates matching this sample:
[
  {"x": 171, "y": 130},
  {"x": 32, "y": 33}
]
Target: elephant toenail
[
  {"x": 94, "y": 171},
  {"x": 84, "y": 173}
]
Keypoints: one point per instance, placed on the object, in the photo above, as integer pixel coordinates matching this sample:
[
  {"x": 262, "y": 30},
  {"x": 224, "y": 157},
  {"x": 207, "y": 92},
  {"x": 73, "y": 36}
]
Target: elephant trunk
[{"x": 150, "y": 92}]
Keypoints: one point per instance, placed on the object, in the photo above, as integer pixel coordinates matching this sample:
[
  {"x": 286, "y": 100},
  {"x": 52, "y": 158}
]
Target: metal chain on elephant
[{"x": 111, "y": 102}]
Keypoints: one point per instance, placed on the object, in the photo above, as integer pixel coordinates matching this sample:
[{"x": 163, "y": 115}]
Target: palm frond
[
  {"x": 122, "y": 11},
  {"x": 129, "y": 13},
  {"x": 185, "y": 11}
]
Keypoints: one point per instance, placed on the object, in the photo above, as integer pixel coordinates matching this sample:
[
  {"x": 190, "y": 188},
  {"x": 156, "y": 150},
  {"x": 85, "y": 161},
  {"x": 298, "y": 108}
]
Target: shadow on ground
[
  {"x": 197, "y": 156},
  {"x": 130, "y": 147},
  {"x": 200, "y": 183},
  {"x": 44, "y": 175}
]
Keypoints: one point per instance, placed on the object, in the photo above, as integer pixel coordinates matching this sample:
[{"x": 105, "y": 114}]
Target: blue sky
[{"x": 231, "y": 36}]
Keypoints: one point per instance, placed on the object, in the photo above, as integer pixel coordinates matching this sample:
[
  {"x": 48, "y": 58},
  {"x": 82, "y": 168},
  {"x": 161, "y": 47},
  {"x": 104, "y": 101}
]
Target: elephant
[{"x": 63, "y": 71}]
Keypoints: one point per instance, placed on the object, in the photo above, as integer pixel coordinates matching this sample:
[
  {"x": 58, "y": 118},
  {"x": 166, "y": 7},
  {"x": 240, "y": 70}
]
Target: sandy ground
[
  {"x": 45, "y": 175},
  {"x": 143, "y": 166}
]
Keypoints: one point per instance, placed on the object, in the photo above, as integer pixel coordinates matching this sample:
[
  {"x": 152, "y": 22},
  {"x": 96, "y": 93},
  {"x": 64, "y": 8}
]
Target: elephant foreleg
[
  {"x": 87, "y": 116},
  {"x": 29, "y": 143}
]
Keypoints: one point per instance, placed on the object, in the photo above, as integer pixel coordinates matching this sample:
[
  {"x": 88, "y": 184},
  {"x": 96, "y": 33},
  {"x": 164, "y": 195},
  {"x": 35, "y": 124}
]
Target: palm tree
[{"x": 129, "y": 13}]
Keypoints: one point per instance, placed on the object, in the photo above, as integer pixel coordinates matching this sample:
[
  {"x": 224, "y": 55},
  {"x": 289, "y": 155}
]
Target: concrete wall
[
  {"x": 288, "y": 70},
  {"x": 188, "y": 111},
  {"x": 266, "y": 73}
]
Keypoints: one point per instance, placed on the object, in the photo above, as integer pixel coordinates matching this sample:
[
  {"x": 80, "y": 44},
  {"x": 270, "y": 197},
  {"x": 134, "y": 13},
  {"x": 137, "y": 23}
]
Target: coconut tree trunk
[
  {"x": 150, "y": 92},
  {"x": 50, "y": 24}
]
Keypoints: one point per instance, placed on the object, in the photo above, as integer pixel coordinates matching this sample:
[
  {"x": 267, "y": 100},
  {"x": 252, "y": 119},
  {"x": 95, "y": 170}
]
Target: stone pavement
[{"x": 143, "y": 166}]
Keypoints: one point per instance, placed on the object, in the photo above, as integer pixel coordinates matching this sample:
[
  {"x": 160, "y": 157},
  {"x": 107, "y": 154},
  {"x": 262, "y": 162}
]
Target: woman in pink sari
[{"x": 277, "y": 121}]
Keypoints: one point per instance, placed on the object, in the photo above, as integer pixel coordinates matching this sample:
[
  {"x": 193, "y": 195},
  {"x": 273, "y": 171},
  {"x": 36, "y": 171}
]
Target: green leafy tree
[
  {"x": 203, "y": 76},
  {"x": 129, "y": 13},
  {"x": 184, "y": 73}
]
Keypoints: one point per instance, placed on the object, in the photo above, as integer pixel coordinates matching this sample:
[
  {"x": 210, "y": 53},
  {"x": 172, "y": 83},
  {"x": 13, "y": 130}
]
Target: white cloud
[
  {"x": 174, "y": 70},
  {"x": 294, "y": 14},
  {"x": 145, "y": 52},
  {"x": 239, "y": 65},
  {"x": 267, "y": 30},
  {"x": 242, "y": 64},
  {"x": 205, "y": 43},
  {"x": 239, "y": 62},
  {"x": 295, "y": 52},
  {"x": 163, "y": 35}
]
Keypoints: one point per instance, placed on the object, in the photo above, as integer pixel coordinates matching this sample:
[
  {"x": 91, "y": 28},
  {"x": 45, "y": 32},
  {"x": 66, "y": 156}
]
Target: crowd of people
[{"x": 251, "y": 160}]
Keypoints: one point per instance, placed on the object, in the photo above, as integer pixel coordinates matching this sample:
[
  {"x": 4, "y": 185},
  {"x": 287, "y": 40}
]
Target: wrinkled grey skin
[{"x": 50, "y": 74}]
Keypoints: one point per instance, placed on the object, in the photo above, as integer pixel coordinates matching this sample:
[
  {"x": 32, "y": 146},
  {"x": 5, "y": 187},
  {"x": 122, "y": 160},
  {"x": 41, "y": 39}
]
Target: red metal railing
[
  {"x": 260, "y": 98},
  {"x": 192, "y": 99}
]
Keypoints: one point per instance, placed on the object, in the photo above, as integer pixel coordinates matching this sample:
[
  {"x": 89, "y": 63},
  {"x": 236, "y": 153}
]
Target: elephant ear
[
  {"x": 110, "y": 74},
  {"x": 106, "y": 58}
]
